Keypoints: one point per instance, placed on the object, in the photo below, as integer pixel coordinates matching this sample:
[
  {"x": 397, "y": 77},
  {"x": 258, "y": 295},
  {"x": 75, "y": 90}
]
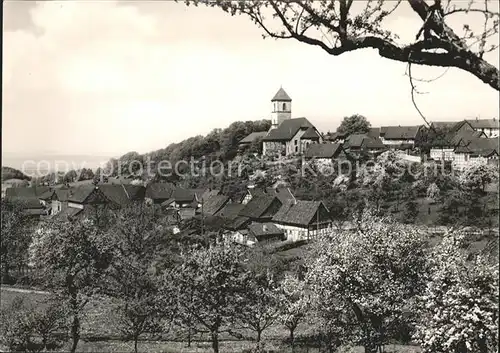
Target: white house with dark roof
[
  {"x": 303, "y": 220},
  {"x": 489, "y": 126},
  {"x": 401, "y": 137},
  {"x": 477, "y": 150}
]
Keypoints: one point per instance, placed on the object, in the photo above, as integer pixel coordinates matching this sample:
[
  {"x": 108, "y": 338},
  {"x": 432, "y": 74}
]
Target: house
[
  {"x": 28, "y": 198},
  {"x": 357, "y": 143},
  {"x": 82, "y": 200},
  {"x": 489, "y": 126},
  {"x": 292, "y": 136},
  {"x": 335, "y": 137},
  {"x": 230, "y": 215},
  {"x": 212, "y": 205},
  {"x": 265, "y": 232},
  {"x": 325, "y": 153},
  {"x": 32, "y": 207},
  {"x": 478, "y": 150},
  {"x": 186, "y": 198},
  {"x": 401, "y": 137},
  {"x": 258, "y": 233},
  {"x": 32, "y": 192},
  {"x": 254, "y": 137},
  {"x": 158, "y": 193},
  {"x": 55, "y": 199},
  {"x": 282, "y": 193},
  {"x": 444, "y": 136},
  {"x": 303, "y": 220},
  {"x": 261, "y": 208}
]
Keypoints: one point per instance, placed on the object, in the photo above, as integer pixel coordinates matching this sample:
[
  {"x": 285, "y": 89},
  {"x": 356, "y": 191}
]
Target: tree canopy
[
  {"x": 354, "y": 124},
  {"x": 453, "y": 33}
]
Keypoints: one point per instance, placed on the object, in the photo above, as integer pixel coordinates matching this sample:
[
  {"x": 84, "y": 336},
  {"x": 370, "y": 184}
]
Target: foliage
[
  {"x": 363, "y": 283},
  {"x": 209, "y": 288},
  {"x": 16, "y": 237},
  {"x": 433, "y": 192},
  {"x": 354, "y": 124},
  {"x": 477, "y": 176},
  {"x": 294, "y": 303},
  {"x": 460, "y": 303},
  {"x": 26, "y": 328},
  {"x": 449, "y": 35},
  {"x": 259, "y": 309},
  {"x": 71, "y": 257},
  {"x": 137, "y": 239},
  {"x": 12, "y": 173}
]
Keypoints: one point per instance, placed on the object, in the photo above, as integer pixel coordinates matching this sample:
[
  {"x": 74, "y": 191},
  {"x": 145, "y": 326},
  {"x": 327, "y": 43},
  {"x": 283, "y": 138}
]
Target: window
[
  {"x": 284, "y": 106},
  {"x": 296, "y": 148},
  {"x": 295, "y": 142}
]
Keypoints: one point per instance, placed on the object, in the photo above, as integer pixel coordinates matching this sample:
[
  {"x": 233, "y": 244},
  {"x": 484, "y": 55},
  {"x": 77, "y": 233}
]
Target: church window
[{"x": 284, "y": 106}]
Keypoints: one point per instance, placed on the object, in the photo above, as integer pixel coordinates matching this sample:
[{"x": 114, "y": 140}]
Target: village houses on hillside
[{"x": 459, "y": 142}]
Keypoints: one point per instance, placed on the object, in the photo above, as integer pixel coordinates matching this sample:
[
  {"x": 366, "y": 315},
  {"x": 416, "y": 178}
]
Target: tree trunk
[
  {"x": 292, "y": 330},
  {"x": 136, "y": 338},
  {"x": 75, "y": 332},
  {"x": 215, "y": 341},
  {"x": 189, "y": 336},
  {"x": 259, "y": 334}
]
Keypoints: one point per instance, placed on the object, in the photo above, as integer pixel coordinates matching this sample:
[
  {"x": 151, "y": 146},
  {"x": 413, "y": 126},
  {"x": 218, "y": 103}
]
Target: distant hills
[{"x": 11, "y": 173}]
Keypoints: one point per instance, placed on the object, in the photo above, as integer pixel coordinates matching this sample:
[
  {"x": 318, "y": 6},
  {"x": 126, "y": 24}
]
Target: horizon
[{"x": 114, "y": 77}]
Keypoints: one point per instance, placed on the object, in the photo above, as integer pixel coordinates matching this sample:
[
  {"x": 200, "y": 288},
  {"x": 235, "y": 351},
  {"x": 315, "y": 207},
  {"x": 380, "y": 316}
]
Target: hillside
[
  {"x": 11, "y": 173},
  {"x": 219, "y": 144}
]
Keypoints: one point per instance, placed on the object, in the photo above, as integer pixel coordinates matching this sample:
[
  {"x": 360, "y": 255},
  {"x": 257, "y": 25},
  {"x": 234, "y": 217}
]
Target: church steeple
[{"x": 282, "y": 108}]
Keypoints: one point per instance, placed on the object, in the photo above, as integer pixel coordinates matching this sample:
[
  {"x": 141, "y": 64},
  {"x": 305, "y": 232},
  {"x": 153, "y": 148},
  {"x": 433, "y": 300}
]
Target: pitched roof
[
  {"x": 310, "y": 134},
  {"x": 253, "y": 136},
  {"x": 281, "y": 95},
  {"x": 62, "y": 194},
  {"x": 81, "y": 193},
  {"x": 484, "y": 123},
  {"x": 159, "y": 190},
  {"x": 480, "y": 146},
  {"x": 374, "y": 132},
  {"x": 123, "y": 194},
  {"x": 30, "y": 203},
  {"x": 287, "y": 129},
  {"x": 301, "y": 213},
  {"x": 282, "y": 193},
  {"x": 230, "y": 211},
  {"x": 453, "y": 139},
  {"x": 214, "y": 204},
  {"x": 447, "y": 125},
  {"x": 355, "y": 140},
  {"x": 323, "y": 150},
  {"x": 209, "y": 193},
  {"x": 237, "y": 223},
  {"x": 258, "y": 206},
  {"x": 183, "y": 195},
  {"x": 401, "y": 132},
  {"x": 33, "y": 191},
  {"x": 374, "y": 143},
  {"x": 263, "y": 230},
  {"x": 47, "y": 195},
  {"x": 334, "y": 136},
  {"x": 68, "y": 212}
]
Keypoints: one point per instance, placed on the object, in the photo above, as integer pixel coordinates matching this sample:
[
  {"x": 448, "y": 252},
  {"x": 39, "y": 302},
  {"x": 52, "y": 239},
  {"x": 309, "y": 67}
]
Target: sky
[{"x": 103, "y": 78}]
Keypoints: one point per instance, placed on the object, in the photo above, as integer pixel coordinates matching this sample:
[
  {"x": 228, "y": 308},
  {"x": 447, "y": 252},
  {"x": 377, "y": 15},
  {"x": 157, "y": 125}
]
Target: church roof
[
  {"x": 281, "y": 95},
  {"x": 287, "y": 129}
]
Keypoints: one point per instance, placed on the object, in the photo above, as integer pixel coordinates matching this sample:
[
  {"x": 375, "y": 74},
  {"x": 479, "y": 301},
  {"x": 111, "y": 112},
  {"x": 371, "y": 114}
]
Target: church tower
[{"x": 282, "y": 108}]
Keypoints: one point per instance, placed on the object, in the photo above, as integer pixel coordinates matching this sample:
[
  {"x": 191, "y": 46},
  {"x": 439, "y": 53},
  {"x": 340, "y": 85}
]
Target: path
[{"x": 21, "y": 290}]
